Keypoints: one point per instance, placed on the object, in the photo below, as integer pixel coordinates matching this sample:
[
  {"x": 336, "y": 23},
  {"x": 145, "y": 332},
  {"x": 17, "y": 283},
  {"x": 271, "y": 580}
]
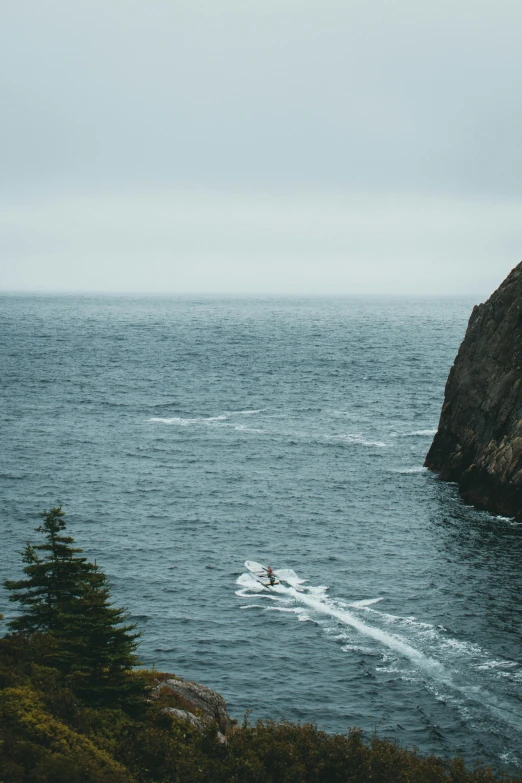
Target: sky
[{"x": 254, "y": 146}]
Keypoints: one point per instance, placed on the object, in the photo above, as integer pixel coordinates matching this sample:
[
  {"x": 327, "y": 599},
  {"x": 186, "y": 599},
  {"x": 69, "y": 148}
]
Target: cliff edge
[{"x": 479, "y": 440}]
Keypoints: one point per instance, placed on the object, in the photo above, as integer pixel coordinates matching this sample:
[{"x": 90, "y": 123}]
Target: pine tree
[
  {"x": 68, "y": 598},
  {"x": 101, "y": 646},
  {"x": 54, "y": 581}
]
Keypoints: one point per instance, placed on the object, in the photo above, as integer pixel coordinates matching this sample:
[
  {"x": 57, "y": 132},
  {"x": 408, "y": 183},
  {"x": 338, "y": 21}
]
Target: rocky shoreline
[
  {"x": 478, "y": 444},
  {"x": 192, "y": 702}
]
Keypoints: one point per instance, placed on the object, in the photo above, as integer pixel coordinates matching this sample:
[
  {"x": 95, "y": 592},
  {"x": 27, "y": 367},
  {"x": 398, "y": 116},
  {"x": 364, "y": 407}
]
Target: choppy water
[{"x": 185, "y": 436}]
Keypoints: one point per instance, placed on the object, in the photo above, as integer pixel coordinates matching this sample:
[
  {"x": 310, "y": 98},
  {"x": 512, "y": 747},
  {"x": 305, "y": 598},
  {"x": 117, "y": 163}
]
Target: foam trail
[
  {"x": 317, "y": 602},
  {"x": 435, "y": 668},
  {"x": 431, "y": 666}
]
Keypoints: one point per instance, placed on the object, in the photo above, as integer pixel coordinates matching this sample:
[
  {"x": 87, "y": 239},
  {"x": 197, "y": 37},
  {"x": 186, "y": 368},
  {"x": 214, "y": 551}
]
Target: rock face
[
  {"x": 479, "y": 440},
  {"x": 185, "y": 715},
  {"x": 200, "y": 704}
]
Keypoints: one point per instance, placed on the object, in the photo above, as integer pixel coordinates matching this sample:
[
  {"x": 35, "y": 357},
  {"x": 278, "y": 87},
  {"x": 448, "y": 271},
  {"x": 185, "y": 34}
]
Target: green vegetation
[
  {"x": 67, "y": 598},
  {"x": 73, "y": 708}
]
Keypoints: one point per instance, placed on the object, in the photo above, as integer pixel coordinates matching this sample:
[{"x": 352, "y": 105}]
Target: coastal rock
[
  {"x": 184, "y": 715},
  {"x": 479, "y": 440},
  {"x": 197, "y": 700}
]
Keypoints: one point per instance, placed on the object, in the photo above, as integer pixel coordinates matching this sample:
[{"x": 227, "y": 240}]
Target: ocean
[{"x": 186, "y": 435}]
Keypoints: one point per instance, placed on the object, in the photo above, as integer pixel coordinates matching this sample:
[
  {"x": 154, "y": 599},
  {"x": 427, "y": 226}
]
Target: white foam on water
[
  {"x": 427, "y": 628},
  {"x": 357, "y": 648},
  {"x": 508, "y": 757},
  {"x": 261, "y": 593},
  {"x": 366, "y": 602},
  {"x": 358, "y": 440},
  {"x": 417, "y": 623},
  {"x": 247, "y": 412},
  {"x": 497, "y": 665},
  {"x": 315, "y": 599},
  {"x": 319, "y": 591},
  {"x": 385, "y": 638},
  {"x": 247, "y": 592},
  {"x": 419, "y": 434},
  {"x": 290, "y": 576},
  {"x": 249, "y": 584},
  {"x": 248, "y": 580},
  {"x": 419, "y": 469},
  {"x": 366, "y": 606},
  {"x": 173, "y": 420},
  {"x": 182, "y": 422},
  {"x": 321, "y": 605},
  {"x": 500, "y": 708},
  {"x": 469, "y": 648},
  {"x": 461, "y": 651},
  {"x": 289, "y": 609}
]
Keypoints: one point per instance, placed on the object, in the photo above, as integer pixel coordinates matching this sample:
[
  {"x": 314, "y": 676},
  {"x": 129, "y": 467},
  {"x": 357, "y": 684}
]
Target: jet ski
[{"x": 260, "y": 572}]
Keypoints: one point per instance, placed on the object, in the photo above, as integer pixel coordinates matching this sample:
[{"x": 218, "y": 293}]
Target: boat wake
[{"x": 454, "y": 671}]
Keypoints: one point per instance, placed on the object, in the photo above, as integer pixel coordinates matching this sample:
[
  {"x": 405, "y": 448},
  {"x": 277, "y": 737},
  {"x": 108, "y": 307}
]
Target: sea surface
[{"x": 186, "y": 435}]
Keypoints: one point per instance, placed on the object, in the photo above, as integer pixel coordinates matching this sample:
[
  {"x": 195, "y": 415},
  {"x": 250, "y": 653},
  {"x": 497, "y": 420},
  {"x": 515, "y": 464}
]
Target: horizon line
[{"x": 235, "y": 294}]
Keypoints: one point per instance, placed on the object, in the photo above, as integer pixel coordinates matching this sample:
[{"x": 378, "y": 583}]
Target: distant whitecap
[{"x": 406, "y": 471}]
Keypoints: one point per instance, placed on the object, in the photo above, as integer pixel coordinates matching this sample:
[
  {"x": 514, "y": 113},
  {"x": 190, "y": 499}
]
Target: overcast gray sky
[{"x": 297, "y": 146}]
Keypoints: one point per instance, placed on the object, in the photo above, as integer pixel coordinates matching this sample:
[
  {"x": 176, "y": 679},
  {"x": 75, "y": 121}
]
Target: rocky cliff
[
  {"x": 199, "y": 705},
  {"x": 479, "y": 440}
]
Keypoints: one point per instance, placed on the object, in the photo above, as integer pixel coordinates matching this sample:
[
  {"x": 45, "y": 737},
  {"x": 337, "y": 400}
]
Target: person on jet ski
[{"x": 271, "y": 576}]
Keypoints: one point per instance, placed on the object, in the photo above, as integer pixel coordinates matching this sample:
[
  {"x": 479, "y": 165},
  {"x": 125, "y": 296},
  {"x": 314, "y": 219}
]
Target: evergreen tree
[
  {"x": 101, "y": 646},
  {"x": 54, "y": 581},
  {"x": 68, "y": 598}
]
